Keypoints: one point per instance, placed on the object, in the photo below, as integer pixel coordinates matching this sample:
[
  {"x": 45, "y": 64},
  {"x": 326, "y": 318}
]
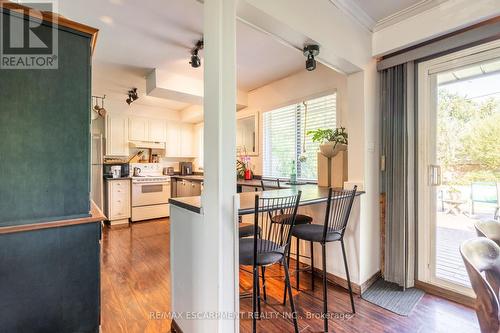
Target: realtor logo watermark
[{"x": 27, "y": 42}]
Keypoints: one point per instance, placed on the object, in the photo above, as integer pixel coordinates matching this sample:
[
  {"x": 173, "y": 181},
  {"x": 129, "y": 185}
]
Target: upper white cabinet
[
  {"x": 179, "y": 137},
  {"x": 173, "y": 146},
  {"x": 179, "y": 140},
  {"x": 145, "y": 129},
  {"x": 116, "y": 135},
  {"x": 157, "y": 130},
  {"x": 187, "y": 132},
  {"x": 138, "y": 129}
]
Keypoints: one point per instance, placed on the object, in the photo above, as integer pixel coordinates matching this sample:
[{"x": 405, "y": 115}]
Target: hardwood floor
[
  {"x": 135, "y": 279},
  {"x": 135, "y": 284}
]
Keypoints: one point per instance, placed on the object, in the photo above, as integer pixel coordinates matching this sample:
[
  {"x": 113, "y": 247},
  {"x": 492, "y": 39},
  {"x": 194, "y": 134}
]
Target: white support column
[{"x": 220, "y": 152}]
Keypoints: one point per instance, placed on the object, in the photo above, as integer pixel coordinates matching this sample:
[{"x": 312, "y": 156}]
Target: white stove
[
  {"x": 151, "y": 179},
  {"x": 150, "y": 194}
]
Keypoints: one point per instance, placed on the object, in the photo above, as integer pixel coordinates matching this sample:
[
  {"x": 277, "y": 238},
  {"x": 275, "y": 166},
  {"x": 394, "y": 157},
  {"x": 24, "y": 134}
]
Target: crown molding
[
  {"x": 357, "y": 13},
  {"x": 413, "y": 10}
]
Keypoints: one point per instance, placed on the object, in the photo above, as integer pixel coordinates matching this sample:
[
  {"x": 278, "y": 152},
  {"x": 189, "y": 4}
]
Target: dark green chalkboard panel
[
  {"x": 44, "y": 137},
  {"x": 49, "y": 280}
]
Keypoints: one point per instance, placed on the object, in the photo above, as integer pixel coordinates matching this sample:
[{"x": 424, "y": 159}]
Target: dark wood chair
[
  {"x": 489, "y": 229},
  {"x": 270, "y": 246},
  {"x": 481, "y": 257},
  {"x": 338, "y": 210}
]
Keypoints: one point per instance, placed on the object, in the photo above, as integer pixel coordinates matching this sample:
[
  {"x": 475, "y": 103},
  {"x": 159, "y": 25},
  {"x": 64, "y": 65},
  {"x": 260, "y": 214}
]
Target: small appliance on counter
[
  {"x": 137, "y": 172},
  {"x": 186, "y": 168},
  {"x": 116, "y": 171},
  {"x": 109, "y": 167},
  {"x": 169, "y": 171}
]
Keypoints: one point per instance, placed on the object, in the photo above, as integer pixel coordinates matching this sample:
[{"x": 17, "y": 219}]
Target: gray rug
[{"x": 392, "y": 297}]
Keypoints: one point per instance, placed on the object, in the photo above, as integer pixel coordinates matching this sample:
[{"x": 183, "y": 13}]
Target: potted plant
[
  {"x": 243, "y": 169},
  {"x": 332, "y": 141}
]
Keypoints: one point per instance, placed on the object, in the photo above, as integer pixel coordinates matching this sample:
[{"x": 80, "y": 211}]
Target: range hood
[{"x": 147, "y": 144}]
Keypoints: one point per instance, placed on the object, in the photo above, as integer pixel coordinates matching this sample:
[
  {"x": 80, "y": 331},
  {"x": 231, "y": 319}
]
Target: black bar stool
[
  {"x": 270, "y": 246},
  {"x": 338, "y": 210},
  {"x": 300, "y": 219}
]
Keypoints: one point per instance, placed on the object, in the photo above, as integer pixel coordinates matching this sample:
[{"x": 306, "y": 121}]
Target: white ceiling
[
  {"x": 114, "y": 80},
  {"x": 138, "y": 37},
  {"x": 379, "y": 9}
]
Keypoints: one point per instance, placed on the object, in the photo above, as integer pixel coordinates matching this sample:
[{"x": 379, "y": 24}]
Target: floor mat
[{"x": 390, "y": 296}]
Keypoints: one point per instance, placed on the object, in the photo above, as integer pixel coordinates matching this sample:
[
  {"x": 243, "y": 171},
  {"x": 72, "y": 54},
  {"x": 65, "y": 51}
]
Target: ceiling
[
  {"x": 380, "y": 9},
  {"x": 114, "y": 80},
  {"x": 159, "y": 34}
]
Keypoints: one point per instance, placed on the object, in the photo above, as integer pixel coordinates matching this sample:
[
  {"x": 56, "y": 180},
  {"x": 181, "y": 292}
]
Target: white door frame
[{"x": 427, "y": 81}]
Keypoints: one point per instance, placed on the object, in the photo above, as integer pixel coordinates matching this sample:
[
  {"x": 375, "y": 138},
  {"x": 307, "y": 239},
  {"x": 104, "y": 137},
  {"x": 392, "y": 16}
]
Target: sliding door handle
[{"x": 434, "y": 175}]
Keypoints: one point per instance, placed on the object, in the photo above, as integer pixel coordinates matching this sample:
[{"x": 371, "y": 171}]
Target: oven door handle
[{"x": 151, "y": 183}]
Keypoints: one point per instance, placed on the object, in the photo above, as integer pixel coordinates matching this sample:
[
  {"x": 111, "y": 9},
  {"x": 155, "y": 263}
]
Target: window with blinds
[{"x": 285, "y": 139}]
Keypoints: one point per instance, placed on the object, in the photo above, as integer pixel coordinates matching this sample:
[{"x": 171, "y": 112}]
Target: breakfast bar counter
[{"x": 311, "y": 194}]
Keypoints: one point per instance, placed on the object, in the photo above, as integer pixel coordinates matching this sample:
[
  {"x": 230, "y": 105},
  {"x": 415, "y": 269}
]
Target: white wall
[
  {"x": 369, "y": 220},
  {"x": 119, "y": 106},
  {"x": 447, "y": 17}
]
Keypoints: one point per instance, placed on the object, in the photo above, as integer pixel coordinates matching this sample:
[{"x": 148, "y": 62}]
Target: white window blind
[{"x": 284, "y": 140}]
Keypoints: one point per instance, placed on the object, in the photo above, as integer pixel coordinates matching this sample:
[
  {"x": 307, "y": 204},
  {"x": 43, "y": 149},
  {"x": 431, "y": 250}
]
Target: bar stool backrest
[
  {"x": 274, "y": 237},
  {"x": 482, "y": 256},
  {"x": 270, "y": 184},
  {"x": 338, "y": 210},
  {"x": 489, "y": 229}
]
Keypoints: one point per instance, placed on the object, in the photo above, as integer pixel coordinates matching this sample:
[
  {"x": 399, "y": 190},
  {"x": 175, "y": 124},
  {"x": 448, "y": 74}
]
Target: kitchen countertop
[
  {"x": 239, "y": 182},
  {"x": 311, "y": 194},
  {"x": 120, "y": 178},
  {"x": 189, "y": 177}
]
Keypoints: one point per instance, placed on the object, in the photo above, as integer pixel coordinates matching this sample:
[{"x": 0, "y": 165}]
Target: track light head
[
  {"x": 310, "y": 51},
  {"x": 132, "y": 96},
  {"x": 195, "y": 59}
]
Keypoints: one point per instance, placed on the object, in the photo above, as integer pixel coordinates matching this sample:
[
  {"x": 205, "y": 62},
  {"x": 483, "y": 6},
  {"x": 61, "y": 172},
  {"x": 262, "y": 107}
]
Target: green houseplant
[{"x": 332, "y": 141}]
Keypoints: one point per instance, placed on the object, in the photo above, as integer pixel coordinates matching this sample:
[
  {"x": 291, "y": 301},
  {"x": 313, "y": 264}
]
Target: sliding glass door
[{"x": 459, "y": 161}]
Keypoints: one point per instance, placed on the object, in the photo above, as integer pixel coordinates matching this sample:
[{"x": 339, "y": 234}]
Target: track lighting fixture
[
  {"x": 195, "y": 59},
  {"x": 132, "y": 96},
  {"x": 311, "y": 51}
]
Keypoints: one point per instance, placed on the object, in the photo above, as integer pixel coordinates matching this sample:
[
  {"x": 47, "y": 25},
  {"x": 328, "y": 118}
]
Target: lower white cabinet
[{"x": 118, "y": 205}]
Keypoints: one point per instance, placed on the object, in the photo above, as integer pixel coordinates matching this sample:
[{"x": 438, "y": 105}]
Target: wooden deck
[{"x": 449, "y": 263}]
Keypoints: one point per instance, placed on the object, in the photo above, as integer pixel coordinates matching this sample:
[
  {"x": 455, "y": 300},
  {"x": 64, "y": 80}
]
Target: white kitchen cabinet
[
  {"x": 138, "y": 129},
  {"x": 145, "y": 129},
  {"x": 187, "y": 132},
  {"x": 118, "y": 205},
  {"x": 157, "y": 130},
  {"x": 116, "y": 135},
  {"x": 180, "y": 140},
  {"x": 173, "y": 145}
]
